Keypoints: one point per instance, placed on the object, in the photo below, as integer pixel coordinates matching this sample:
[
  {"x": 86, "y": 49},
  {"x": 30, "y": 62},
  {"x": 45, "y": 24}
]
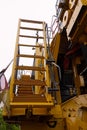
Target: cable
[{"x": 3, "y": 71}]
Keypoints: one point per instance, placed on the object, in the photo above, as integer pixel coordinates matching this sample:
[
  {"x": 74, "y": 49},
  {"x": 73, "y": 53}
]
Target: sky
[{"x": 10, "y": 12}]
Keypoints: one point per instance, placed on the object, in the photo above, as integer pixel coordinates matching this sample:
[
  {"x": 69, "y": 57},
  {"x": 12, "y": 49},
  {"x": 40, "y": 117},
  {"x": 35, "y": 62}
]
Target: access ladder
[{"x": 30, "y": 76}]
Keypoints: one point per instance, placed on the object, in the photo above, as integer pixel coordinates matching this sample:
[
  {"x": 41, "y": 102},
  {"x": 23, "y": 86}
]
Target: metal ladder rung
[
  {"x": 30, "y": 98},
  {"x": 30, "y": 82},
  {"x": 27, "y": 28},
  {"x": 26, "y": 36},
  {"x": 31, "y": 21},
  {"x": 33, "y": 104},
  {"x": 30, "y": 56},
  {"x": 30, "y": 68},
  {"x": 20, "y": 92},
  {"x": 16, "y": 99},
  {"x": 24, "y": 88},
  {"x": 31, "y": 45},
  {"x": 24, "y": 92}
]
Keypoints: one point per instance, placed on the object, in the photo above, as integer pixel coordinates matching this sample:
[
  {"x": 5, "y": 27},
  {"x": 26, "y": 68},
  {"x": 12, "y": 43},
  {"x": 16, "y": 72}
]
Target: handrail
[{"x": 54, "y": 25}]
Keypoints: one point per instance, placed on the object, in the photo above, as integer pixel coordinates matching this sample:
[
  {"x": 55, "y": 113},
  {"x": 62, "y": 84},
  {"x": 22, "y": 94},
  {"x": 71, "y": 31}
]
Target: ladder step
[
  {"x": 31, "y": 45},
  {"x": 29, "y": 98},
  {"x": 30, "y": 82},
  {"x": 30, "y": 56},
  {"x": 24, "y": 92},
  {"x": 25, "y": 88},
  {"x": 27, "y": 28},
  {"x": 31, "y": 21},
  {"x": 30, "y": 68},
  {"x": 27, "y": 36}
]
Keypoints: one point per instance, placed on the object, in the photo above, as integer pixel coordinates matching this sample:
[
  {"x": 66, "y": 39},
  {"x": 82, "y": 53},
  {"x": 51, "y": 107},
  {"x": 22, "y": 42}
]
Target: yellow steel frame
[
  {"x": 14, "y": 64},
  {"x": 34, "y": 105}
]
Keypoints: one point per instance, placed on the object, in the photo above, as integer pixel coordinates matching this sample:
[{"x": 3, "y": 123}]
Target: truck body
[{"x": 48, "y": 86}]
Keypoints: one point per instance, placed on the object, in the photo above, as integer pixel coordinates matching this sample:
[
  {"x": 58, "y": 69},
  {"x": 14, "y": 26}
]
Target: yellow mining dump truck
[{"x": 48, "y": 86}]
